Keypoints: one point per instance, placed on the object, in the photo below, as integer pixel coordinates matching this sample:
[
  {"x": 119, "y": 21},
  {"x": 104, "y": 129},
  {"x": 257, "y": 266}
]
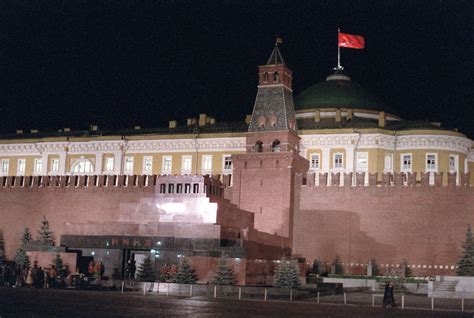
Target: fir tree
[
  {"x": 61, "y": 269},
  {"x": 375, "y": 267},
  {"x": 2, "y": 249},
  {"x": 146, "y": 272},
  {"x": 224, "y": 274},
  {"x": 408, "y": 271},
  {"x": 316, "y": 268},
  {"x": 26, "y": 237},
  {"x": 338, "y": 268},
  {"x": 21, "y": 259},
  {"x": 286, "y": 275},
  {"x": 466, "y": 262},
  {"x": 185, "y": 274},
  {"x": 45, "y": 235}
]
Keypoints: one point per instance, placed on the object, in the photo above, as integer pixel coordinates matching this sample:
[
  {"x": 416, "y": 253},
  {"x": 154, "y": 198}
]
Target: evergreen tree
[
  {"x": 466, "y": 262},
  {"x": 408, "y": 271},
  {"x": 2, "y": 249},
  {"x": 224, "y": 274},
  {"x": 146, "y": 272},
  {"x": 61, "y": 269},
  {"x": 286, "y": 275},
  {"x": 338, "y": 268},
  {"x": 185, "y": 274},
  {"x": 45, "y": 235},
  {"x": 375, "y": 267},
  {"x": 316, "y": 268},
  {"x": 21, "y": 259},
  {"x": 26, "y": 237}
]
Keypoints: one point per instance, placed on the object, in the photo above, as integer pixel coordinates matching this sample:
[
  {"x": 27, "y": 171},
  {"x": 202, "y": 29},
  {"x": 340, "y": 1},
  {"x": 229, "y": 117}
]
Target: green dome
[{"x": 337, "y": 91}]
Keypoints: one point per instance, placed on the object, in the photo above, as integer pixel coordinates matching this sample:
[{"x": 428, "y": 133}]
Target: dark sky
[{"x": 124, "y": 63}]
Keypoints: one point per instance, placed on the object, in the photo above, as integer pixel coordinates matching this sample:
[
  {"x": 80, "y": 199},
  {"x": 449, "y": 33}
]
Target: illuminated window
[
  {"x": 362, "y": 161},
  {"x": 315, "y": 161},
  {"x": 147, "y": 164},
  {"x": 82, "y": 166},
  {"x": 5, "y": 166},
  {"x": 38, "y": 166},
  {"x": 187, "y": 165},
  {"x": 20, "y": 169},
  {"x": 227, "y": 162},
  {"x": 55, "y": 165},
  {"x": 128, "y": 168},
  {"x": 206, "y": 164},
  {"x": 405, "y": 162},
  {"x": 166, "y": 165},
  {"x": 109, "y": 164},
  {"x": 431, "y": 162},
  {"x": 338, "y": 161}
]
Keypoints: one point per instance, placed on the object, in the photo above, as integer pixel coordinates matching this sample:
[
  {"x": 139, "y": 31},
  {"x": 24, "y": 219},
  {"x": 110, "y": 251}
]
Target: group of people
[{"x": 33, "y": 277}]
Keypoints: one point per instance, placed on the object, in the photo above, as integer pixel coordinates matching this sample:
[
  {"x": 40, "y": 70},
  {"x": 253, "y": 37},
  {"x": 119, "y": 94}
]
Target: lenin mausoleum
[{"x": 328, "y": 172}]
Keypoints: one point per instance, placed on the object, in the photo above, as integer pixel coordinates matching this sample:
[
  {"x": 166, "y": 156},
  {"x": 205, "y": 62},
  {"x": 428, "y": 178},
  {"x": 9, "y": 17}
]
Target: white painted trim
[
  {"x": 163, "y": 169},
  {"x": 435, "y": 169},
  {"x": 144, "y": 170},
  {"x": 190, "y": 169},
  {"x": 224, "y": 170},
  {"x": 402, "y": 169}
]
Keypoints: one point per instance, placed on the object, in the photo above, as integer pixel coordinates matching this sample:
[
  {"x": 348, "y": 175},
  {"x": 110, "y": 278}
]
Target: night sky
[{"x": 124, "y": 63}]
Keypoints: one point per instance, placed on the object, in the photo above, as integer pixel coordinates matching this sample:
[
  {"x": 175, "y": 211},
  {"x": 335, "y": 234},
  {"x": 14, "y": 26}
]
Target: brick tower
[{"x": 264, "y": 177}]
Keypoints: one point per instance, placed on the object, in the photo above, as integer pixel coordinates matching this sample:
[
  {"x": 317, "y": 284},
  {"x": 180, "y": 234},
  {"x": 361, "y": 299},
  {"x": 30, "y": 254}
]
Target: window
[
  {"x": 166, "y": 165},
  {"x": 5, "y": 166},
  {"x": 82, "y": 166},
  {"x": 405, "y": 162},
  {"x": 431, "y": 162},
  {"x": 38, "y": 166},
  {"x": 187, "y": 165},
  {"x": 147, "y": 164},
  {"x": 206, "y": 164},
  {"x": 265, "y": 77},
  {"x": 55, "y": 165},
  {"x": 315, "y": 161},
  {"x": 258, "y": 146},
  {"x": 128, "y": 165},
  {"x": 276, "y": 77},
  {"x": 20, "y": 169},
  {"x": 362, "y": 161},
  {"x": 388, "y": 163},
  {"x": 338, "y": 161},
  {"x": 227, "y": 162},
  {"x": 276, "y": 146},
  {"x": 453, "y": 163},
  {"x": 109, "y": 164}
]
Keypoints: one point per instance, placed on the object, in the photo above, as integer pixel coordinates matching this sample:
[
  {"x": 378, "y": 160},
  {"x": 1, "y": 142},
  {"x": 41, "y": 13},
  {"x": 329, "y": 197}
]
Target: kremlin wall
[{"x": 330, "y": 172}]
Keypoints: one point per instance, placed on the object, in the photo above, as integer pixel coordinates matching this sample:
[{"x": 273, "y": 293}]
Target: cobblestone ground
[{"x": 72, "y": 303}]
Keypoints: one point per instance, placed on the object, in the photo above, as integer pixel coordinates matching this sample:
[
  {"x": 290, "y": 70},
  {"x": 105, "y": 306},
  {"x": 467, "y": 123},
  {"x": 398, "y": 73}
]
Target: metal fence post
[
  {"x": 432, "y": 303},
  {"x": 345, "y": 299},
  {"x": 144, "y": 288},
  {"x": 215, "y": 291},
  {"x": 265, "y": 295},
  {"x": 291, "y": 294},
  {"x": 240, "y": 293},
  {"x": 167, "y": 289},
  {"x": 123, "y": 285},
  {"x": 191, "y": 291},
  {"x": 373, "y": 300},
  {"x": 317, "y": 299},
  {"x": 403, "y": 301},
  {"x": 462, "y": 304}
]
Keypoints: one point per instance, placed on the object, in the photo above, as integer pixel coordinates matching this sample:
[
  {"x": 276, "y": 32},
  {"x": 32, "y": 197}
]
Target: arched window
[
  {"x": 258, "y": 146},
  {"x": 265, "y": 77},
  {"x": 276, "y": 146},
  {"x": 261, "y": 121},
  {"x": 82, "y": 166},
  {"x": 276, "y": 77},
  {"x": 273, "y": 120}
]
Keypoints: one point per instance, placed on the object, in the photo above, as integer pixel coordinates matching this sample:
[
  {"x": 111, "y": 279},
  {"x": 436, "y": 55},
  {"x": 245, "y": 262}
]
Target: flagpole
[{"x": 338, "y": 50}]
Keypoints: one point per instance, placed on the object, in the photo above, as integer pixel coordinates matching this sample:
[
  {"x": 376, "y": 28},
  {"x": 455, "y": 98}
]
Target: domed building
[{"x": 331, "y": 172}]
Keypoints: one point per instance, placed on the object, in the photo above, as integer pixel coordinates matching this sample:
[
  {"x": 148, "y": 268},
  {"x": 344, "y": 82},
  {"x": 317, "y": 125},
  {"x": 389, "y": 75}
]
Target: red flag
[{"x": 351, "y": 41}]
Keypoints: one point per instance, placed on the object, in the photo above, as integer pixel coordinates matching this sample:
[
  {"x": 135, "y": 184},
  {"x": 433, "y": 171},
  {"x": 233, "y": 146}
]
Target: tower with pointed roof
[{"x": 264, "y": 177}]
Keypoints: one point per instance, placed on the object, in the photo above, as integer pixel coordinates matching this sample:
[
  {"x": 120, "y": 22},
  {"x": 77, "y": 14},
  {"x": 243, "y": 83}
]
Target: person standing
[{"x": 388, "y": 298}]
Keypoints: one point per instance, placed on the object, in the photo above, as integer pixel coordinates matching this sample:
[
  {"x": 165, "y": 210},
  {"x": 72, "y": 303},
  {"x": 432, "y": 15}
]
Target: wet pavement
[{"x": 73, "y": 303}]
